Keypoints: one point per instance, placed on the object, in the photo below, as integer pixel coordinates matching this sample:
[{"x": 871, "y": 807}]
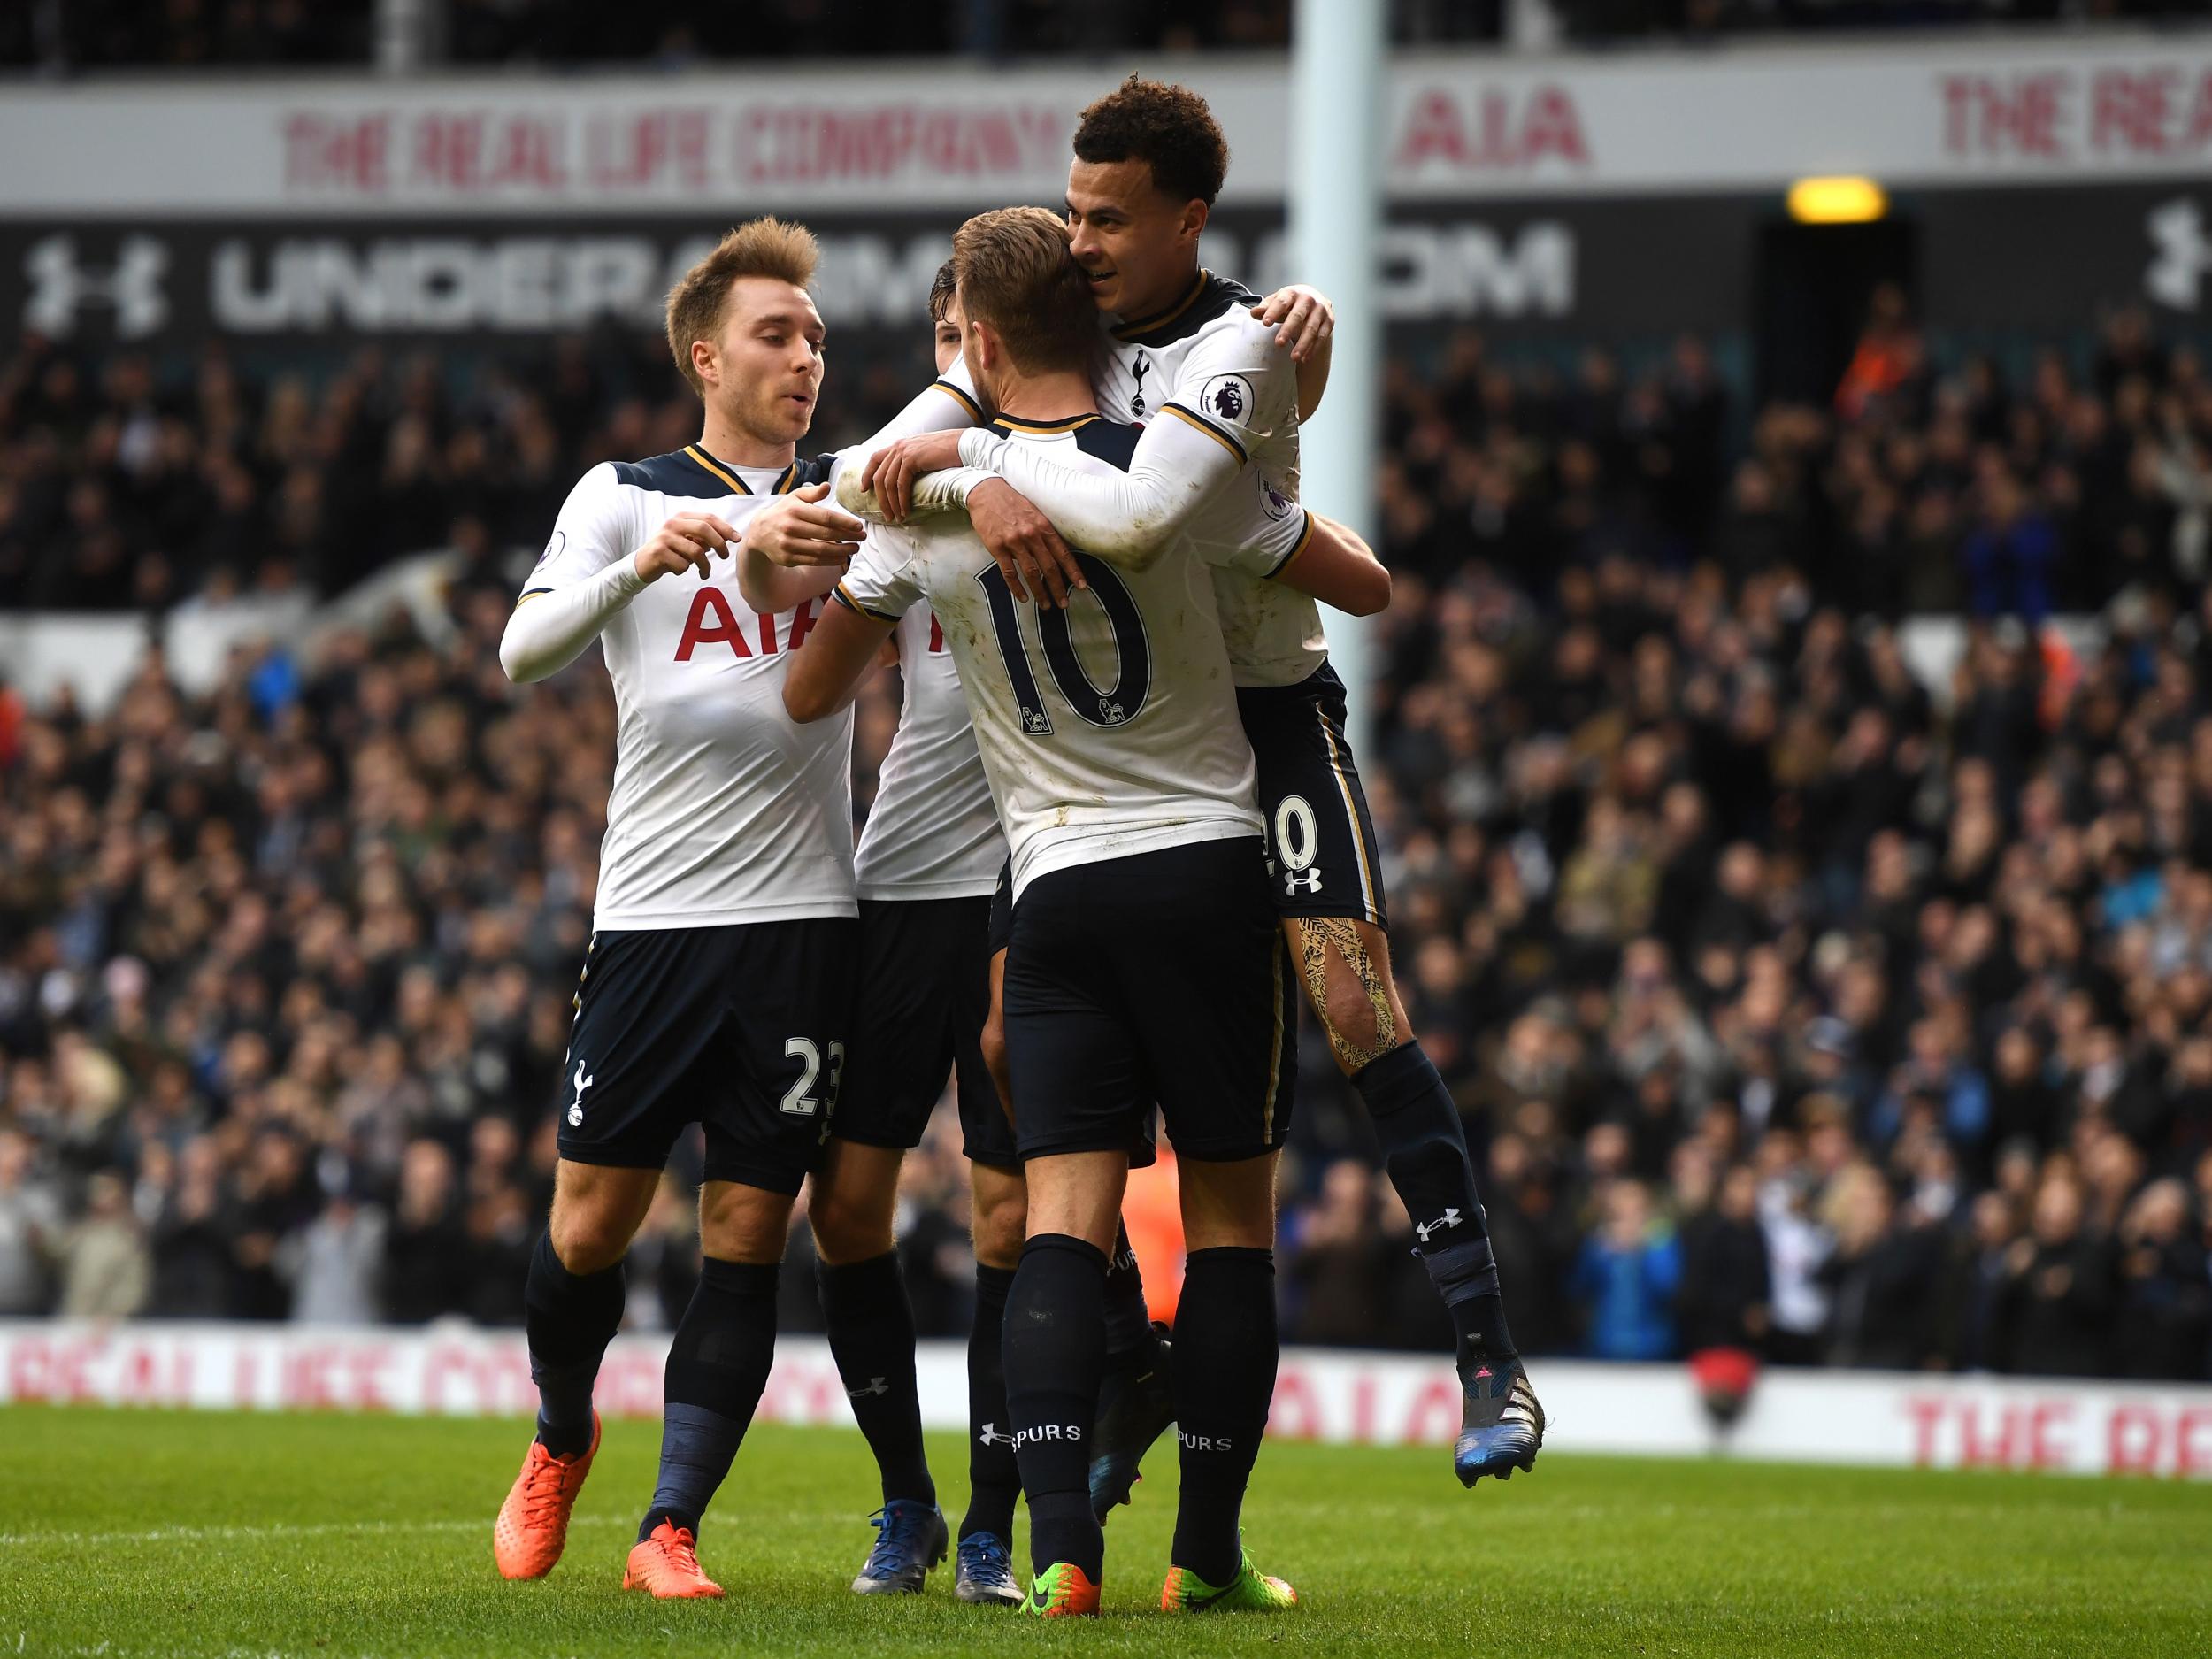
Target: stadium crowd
[
  {"x": 1800, "y": 998},
  {"x": 234, "y": 35}
]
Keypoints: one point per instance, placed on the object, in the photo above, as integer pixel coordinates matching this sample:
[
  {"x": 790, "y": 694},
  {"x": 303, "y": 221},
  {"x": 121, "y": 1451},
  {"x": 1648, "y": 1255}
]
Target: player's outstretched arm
[
  {"x": 825, "y": 672},
  {"x": 1336, "y": 566},
  {"x": 921, "y": 475},
  {"x": 552, "y": 625},
  {"x": 1125, "y": 518},
  {"x": 794, "y": 549}
]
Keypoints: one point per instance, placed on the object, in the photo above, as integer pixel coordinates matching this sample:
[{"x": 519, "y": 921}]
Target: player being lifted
[
  {"x": 1144, "y": 961},
  {"x": 715, "y": 990},
  {"x": 1188, "y": 357}
]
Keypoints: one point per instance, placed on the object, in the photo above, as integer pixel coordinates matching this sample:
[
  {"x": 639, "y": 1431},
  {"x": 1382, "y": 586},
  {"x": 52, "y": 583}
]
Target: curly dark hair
[
  {"x": 1167, "y": 127},
  {"x": 941, "y": 290}
]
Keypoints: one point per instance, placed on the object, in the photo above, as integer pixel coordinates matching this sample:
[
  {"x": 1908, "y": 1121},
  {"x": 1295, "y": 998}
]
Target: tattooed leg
[{"x": 1348, "y": 978}]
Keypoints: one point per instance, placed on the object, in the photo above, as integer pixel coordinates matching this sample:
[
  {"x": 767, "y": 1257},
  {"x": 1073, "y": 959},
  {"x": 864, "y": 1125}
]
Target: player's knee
[
  {"x": 850, "y": 1226},
  {"x": 1355, "y": 1023},
  {"x": 739, "y": 1223},
  {"x": 587, "y": 1239},
  {"x": 1001, "y": 1224}
]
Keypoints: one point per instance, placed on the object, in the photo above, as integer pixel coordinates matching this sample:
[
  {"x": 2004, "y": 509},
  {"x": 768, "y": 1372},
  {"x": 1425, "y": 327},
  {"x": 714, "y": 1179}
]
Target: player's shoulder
[
  {"x": 1111, "y": 443},
  {"x": 1211, "y": 303},
  {"x": 685, "y": 471}
]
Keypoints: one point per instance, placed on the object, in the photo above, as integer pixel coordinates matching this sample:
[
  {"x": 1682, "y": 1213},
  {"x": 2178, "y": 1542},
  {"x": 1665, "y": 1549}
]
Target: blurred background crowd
[
  {"x": 62, "y": 36},
  {"x": 1804, "y": 991}
]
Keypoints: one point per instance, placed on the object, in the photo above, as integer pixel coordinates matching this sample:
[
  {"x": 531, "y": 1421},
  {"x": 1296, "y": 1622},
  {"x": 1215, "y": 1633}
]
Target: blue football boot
[
  {"x": 987, "y": 1572},
  {"x": 910, "y": 1541},
  {"x": 1502, "y": 1427}
]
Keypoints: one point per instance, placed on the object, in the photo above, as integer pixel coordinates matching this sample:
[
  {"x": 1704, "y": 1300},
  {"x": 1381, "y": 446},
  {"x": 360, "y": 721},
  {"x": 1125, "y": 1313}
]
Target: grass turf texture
[{"x": 171, "y": 1533}]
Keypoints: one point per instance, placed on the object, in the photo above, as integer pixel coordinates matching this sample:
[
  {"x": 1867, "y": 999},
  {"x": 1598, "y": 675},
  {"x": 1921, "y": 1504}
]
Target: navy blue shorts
[
  {"x": 739, "y": 1029},
  {"x": 1161, "y": 977},
  {"x": 1322, "y": 858},
  {"x": 922, "y": 993},
  {"x": 997, "y": 1139}
]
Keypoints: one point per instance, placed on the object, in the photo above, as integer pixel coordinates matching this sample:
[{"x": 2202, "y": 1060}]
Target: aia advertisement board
[
  {"x": 1869, "y": 1419},
  {"x": 2083, "y": 107}
]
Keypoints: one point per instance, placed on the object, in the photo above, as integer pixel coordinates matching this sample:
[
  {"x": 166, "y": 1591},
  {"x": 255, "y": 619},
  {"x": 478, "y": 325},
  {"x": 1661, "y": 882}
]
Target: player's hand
[
  {"x": 690, "y": 541},
  {"x": 796, "y": 531},
  {"x": 1037, "y": 562},
  {"x": 1303, "y": 319},
  {"x": 892, "y": 470}
]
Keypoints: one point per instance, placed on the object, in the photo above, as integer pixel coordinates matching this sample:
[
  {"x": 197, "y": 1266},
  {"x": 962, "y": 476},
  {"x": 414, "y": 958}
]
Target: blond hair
[
  {"x": 773, "y": 247},
  {"x": 1016, "y": 273}
]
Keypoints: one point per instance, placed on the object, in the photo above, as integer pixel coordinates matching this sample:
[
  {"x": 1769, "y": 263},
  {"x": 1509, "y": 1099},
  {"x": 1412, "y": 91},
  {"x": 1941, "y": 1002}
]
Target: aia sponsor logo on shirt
[{"x": 713, "y": 621}]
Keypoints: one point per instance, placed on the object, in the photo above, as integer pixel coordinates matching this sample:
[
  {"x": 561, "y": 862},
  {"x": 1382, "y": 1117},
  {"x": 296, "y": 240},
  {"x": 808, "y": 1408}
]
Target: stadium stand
[
  {"x": 1820, "y": 974},
  {"x": 189, "y": 35}
]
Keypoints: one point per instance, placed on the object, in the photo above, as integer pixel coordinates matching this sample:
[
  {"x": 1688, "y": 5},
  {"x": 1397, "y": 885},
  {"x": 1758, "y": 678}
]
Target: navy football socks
[
  {"x": 1425, "y": 1150},
  {"x": 1055, "y": 1345},
  {"x": 870, "y": 1324},
  {"x": 993, "y": 1482},
  {"x": 1225, "y": 1361},
  {"x": 569, "y": 1319},
  {"x": 718, "y": 1364}
]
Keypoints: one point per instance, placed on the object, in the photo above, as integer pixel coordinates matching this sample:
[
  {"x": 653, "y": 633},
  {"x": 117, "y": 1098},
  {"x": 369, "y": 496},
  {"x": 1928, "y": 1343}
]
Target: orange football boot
[
  {"x": 533, "y": 1525},
  {"x": 667, "y": 1564},
  {"x": 1063, "y": 1590}
]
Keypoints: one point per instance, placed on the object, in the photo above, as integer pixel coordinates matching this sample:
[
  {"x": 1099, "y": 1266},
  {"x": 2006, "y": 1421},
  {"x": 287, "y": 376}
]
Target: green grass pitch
[{"x": 171, "y": 1533}]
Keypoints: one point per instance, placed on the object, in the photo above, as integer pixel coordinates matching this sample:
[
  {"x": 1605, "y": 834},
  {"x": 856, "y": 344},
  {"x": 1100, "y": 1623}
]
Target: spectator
[
  {"x": 1626, "y": 1279},
  {"x": 1880, "y": 1279},
  {"x": 1333, "y": 1266},
  {"x": 105, "y": 1271},
  {"x": 2163, "y": 1325},
  {"x": 30, "y": 1228},
  {"x": 425, "y": 1251},
  {"x": 1725, "y": 1293},
  {"x": 1976, "y": 1283},
  {"x": 194, "y": 1263},
  {"x": 2012, "y": 552},
  {"x": 2057, "y": 1301},
  {"x": 335, "y": 1264}
]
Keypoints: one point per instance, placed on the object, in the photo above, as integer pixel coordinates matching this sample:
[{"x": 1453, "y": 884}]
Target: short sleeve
[
  {"x": 1253, "y": 526},
  {"x": 1237, "y": 385},
  {"x": 596, "y": 528},
  {"x": 882, "y": 581}
]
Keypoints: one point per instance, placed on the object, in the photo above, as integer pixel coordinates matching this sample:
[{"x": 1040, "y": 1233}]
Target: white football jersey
[
  {"x": 933, "y": 831},
  {"x": 723, "y": 810},
  {"x": 1107, "y": 729},
  {"x": 1207, "y": 361}
]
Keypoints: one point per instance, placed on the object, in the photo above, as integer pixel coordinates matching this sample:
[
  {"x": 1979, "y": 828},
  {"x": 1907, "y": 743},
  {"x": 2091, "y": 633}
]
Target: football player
[{"x": 1144, "y": 962}]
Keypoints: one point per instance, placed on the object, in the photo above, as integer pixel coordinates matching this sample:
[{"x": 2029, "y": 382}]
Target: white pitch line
[
  {"x": 1567, "y": 1514},
  {"x": 199, "y": 1535},
  {"x": 351, "y": 1529}
]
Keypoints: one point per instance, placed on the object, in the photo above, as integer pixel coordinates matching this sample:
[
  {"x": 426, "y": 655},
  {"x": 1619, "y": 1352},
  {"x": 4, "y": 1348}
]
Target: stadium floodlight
[{"x": 1844, "y": 199}]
